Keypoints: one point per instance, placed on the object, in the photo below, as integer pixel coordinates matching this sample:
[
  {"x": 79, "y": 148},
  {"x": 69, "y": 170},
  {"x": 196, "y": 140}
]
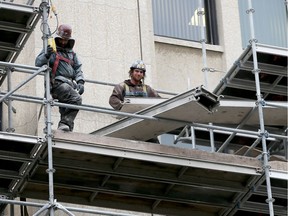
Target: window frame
[{"x": 211, "y": 28}]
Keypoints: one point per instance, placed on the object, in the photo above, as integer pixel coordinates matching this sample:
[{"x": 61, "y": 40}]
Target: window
[
  {"x": 269, "y": 19},
  {"x": 179, "y": 19}
]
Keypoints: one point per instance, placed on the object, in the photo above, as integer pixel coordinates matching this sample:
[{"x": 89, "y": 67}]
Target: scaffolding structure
[{"x": 254, "y": 174}]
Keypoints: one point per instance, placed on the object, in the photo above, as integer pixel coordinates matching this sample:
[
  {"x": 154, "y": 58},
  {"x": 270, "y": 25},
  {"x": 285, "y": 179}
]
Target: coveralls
[{"x": 63, "y": 80}]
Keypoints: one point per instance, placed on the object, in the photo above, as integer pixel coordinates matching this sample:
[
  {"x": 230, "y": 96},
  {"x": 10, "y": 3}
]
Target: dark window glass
[
  {"x": 269, "y": 21},
  {"x": 179, "y": 19}
]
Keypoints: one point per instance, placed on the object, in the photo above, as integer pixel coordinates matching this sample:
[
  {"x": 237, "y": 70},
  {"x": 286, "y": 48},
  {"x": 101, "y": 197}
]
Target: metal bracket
[
  {"x": 252, "y": 188},
  {"x": 50, "y": 170},
  {"x": 50, "y": 101},
  {"x": 12, "y": 69},
  {"x": 270, "y": 200},
  {"x": 262, "y": 102},
  {"x": 49, "y": 135},
  {"x": 203, "y": 40},
  {"x": 237, "y": 63},
  {"x": 41, "y": 140},
  {"x": 256, "y": 70},
  {"x": 3, "y": 197},
  {"x": 10, "y": 130},
  {"x": 259, "y": 170},
  {"x": 2, "y": 72},
  {"x": 251, "y": 10},
  {"x": 264, "y": 134},
  {"x": 253, "y": 40},
  {"x": 200, "y": 12},
  {"x": 42, "y": 5}
]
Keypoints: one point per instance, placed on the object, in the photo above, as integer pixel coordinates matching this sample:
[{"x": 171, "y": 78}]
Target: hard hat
[
  {"x": 64, "y": 31},
  {"x": 139, "y": 64}
]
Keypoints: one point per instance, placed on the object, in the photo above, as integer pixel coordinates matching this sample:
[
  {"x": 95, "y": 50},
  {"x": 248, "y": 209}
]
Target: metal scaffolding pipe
[
  {"x": 32, "y": 69},
  {"x": 50, "y": 207},
  {"x": 276, "y": 105},
  {"x": 49, "y": 103},
  {"x": 193, "y": 137},
  {"x": 9, "y": 85},
  {"x": 112, "y": 84},
  {"x": 256, "y": 72},
  {"x": 17, "y": 67},
  {"x": 230, "y": 133},
  {"x": 38, "y": 205},
  {"x": 236, "y": 130},
  {"x": 256, "y": 142},
  {"x": 114, "y": 112},
  {"x": 246, "y": 118},
  {"x": 201, "y": 17},
  {"x": 106, "y": 111},
  {"x": 212, "y": 144},
  {"x": 43, "y": 68}
]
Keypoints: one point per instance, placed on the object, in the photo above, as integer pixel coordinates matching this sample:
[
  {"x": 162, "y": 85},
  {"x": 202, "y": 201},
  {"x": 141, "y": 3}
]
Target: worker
[
  {"x": 133, "y": 87},
  {"x": 67, "y": 79}
]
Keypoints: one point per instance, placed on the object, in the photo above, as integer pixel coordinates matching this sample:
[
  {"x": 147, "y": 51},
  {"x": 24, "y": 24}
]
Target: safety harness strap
[{"x": 56, "y": 63}]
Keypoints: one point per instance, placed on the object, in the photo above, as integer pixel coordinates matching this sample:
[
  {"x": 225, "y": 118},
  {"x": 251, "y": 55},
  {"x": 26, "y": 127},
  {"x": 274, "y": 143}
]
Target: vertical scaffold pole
[
  {"x": 205, "y": 69},
  {"x": 201, "y": 17},
  {"x": 260, "y": 103},
  {"x": 45, "y": 10},
  {"x": 9, "y": 84}
]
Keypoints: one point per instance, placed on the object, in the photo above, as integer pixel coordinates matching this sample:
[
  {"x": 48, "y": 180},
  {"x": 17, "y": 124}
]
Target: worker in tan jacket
[{"x": 133, "y": 87}]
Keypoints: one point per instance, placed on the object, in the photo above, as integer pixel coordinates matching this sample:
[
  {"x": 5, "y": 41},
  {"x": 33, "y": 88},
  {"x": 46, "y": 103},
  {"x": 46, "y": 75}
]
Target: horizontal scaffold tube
[
  {"x": 113, "y": 112},
  {"x": 16, "y": 202},
  {"x": 40, "y": 70},
  {"x": 19, "y": 66}
]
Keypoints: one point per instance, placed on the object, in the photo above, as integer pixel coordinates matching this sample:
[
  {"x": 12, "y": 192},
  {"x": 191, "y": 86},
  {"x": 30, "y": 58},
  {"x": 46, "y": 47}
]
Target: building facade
[{"x": 111, "y": 35}]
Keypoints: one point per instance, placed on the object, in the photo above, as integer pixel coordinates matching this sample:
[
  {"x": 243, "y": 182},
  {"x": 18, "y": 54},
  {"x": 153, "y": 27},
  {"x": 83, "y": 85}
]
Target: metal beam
[
  {"x": 18, "y": 7},
  {"x": 121, "y": 192},
  {"x": 221, "y": 185},
  {"x": 137, "y": 154}
]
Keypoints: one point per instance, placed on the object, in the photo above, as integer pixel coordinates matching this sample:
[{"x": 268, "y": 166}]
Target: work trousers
[{"x": 65, "y": 93}]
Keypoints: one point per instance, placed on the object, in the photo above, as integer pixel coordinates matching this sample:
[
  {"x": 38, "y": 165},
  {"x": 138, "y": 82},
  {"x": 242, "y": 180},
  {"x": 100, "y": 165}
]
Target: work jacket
[
  {"x": 128, "y": 89},
  {"x": 66, "y": 71}
]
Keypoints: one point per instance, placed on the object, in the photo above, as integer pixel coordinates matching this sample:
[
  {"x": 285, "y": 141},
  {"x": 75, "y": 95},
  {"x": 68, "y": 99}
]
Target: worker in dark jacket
[
  {"x": 67, "y": 78},
  {"x": 134, "y": 86}
]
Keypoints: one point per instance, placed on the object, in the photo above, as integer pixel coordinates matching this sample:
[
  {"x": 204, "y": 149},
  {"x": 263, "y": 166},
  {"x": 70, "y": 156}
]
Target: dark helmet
[
  {"x": 139, "y": 64},
  {"x": 64, "y": 31}
]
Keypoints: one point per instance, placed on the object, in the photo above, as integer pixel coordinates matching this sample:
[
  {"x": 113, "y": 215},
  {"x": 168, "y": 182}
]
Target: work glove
[
  {"x": 49, "y": 52},
  {"x": 80, "y": 87}
]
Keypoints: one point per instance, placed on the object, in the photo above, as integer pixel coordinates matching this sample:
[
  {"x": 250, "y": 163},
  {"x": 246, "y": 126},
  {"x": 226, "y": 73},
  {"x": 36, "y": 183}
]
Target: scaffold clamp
[
  {"x": 256, "y": 70},
  {"x": 264, "y": 134},
  {"x": 259, "y": 170},
  {"x": 253, "y": 40},
  {"x": 251, "y": 10},
  {"x": 41, "y": 140},
  {"x": 261, "y": 102},
  {"x": 200, "y": 12},
  {"x": 50, "y": 170},
  {"x": 10, "y": 130},
  {"x": 270, "y": 200}
]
